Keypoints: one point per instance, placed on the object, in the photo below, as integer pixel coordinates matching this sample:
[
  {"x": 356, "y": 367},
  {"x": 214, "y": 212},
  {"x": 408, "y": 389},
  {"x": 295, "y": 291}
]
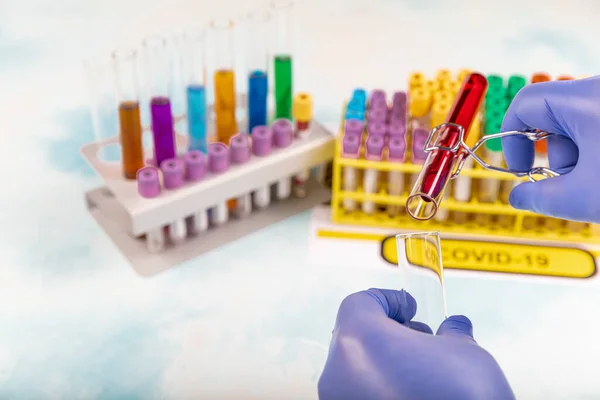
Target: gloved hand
[
  {"x": 374, "y": 354},
  {"x": 570, "y": 109}
]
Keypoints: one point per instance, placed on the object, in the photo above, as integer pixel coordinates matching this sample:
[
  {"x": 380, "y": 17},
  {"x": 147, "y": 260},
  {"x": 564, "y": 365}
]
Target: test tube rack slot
[{"x": 126, "y": 216}]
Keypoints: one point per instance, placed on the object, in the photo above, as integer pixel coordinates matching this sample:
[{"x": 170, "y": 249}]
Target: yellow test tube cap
[
  {"x": 443, "y": 75},
  {"x": 416, "y": 79},
  {"x": 433, "y": 85},
  {"x": 474, "y": 131},
  {"x": 462, "y": 74},
  {"x": 443, "y": 96},
  {"x": 439, "y": 112},
  {"x": 302, "y": 107},
  {"x": 419, "y": 102}
]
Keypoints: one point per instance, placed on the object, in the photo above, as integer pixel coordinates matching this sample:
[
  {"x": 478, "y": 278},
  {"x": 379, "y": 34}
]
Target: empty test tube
[
  {"x": 173, "y": 171},
  {"x": 283, "y": 136},
  {"x": 396, "y": 154},
  {"x": 193, "y": 70},
  {"x": 257, "y": 58},
  {"x": 350, "y": 149},
  {"x": 125, "y": 66},
  {"x": 302, "y": 113},
  {"x": 281, "y": 14},
  {"x": 218, "y": 163},
  {"x": 375, "y": 144},
  {"x": 239, "y": 149},
  {"x": 221, "y": 56},
  {"x": 149, "y": 187},
  {"x": 195, "y": 170},
  {"x": 262, "y": 138},
  {"x": 158, "y": 73}
]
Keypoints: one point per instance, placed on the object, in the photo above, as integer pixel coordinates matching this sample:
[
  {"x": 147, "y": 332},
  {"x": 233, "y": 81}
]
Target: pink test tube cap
[
  {"x": 375, "y": 146},
  {"x": 378, "y": 104},
  {"x": 418, "y": 147},
  {"x": 283, "y": 133},
  {"x": 353, "y": 127},
  {"x": 239, "y": 148},
  {"x": 173, "y": 170},
  {"x": 350, "y": 146},
  {"x": 377, "y": 129},
  {"x": 377, "y": 95},
  {"x": 148, "y": 182},
  {"x": 195, "y": 165},
  {"x": 262, "y": 138},
  {"x": 377, "y": 115},
  {"x": 218, "y": 158},
  {"x": 397, "y": 149}
]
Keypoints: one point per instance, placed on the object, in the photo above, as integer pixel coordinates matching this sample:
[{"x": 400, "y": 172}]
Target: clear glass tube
[
  {"x": 220, "y": 39},
  {"x": 125, "y": 64},
  {"x": 101, "y": 86},
  {"x": 193, "y": 72},
  {"x": 158, "y": 84},
  {"x": 282, "y": 52},
  {"x": 422, "y": 275},
  {"x": 258, "y": 64}
]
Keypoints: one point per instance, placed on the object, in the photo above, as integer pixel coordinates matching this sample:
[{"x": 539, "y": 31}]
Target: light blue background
[{"x": 252, "y": 319}]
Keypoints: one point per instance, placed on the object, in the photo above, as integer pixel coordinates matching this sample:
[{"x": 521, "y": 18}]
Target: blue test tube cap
[
  {"x": 357, "y": 105},
  {"x": 360, "y": 94},
  {"x": 354, "y": 114}
]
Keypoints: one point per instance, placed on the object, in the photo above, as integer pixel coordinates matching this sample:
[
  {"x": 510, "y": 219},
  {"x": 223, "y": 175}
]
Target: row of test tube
[
  {"x": 194, "y": 167},
  {"x": 147, "y": 75}
]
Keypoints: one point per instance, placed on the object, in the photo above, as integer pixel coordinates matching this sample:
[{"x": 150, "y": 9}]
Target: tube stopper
[
  {"x": 397, "y": 149},
  {"x": 173, "y": 172},
  {"x": 353, "y": 127},
  {"x": 377, "y": 129},
  {"x": 350, "y": 146},
  {"x": 218, "y": 157},
  {"x": 148, "y": 182},
  {"x": 375, "y": 146},
  {"x": 283, "y": 133},
  {"x": 302, "y": 107},
  {"x": 239, "y": 148},
  {"x": 195, "y": 165},
  {"x": 262, "y": 137}
]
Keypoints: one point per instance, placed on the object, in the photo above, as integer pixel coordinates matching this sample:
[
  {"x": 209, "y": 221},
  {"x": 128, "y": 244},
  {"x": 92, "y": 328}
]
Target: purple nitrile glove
[
  {"x": 569, "y": 109},
  {"x": 377, "y": 352}
]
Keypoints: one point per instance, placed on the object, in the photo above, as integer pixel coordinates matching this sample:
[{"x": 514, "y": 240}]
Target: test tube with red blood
[
  {"x": 302, "y": 113},
  {"x": 442, "y": 160}
]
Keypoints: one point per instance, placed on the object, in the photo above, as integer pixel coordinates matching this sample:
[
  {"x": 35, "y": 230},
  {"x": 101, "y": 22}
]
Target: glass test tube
[
  {"x": 258, "y": 64},
  {"x": 193, "y": 70},
  {"x": 158, "y": 75},
  {"x": 282, "y": 52},
  {"x": 130, "y": 125},
  {"x": 222, "y": 52},
  {"x": 104, "y": 114},
  {"x": 423, "y": 202},
  {"x": 422, "y": 277}
]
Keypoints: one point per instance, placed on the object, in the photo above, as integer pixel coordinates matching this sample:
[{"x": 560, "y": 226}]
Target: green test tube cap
[
  {"x": 515, "y": 83},
  {"x": 495, "y": 81},
  {"x": 493, "y": 126},
  {"x": 497, "y": 103}
]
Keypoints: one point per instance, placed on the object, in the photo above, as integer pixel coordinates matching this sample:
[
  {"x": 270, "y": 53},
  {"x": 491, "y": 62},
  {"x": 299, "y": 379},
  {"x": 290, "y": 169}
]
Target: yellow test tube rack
[{"x": 479, "y": 217}]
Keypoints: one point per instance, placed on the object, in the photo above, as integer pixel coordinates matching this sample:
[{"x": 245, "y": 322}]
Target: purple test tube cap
[
  {"x": 195, "y": 165},
  {"x": 397, "y": 128},
  {"x": 148, "y": 182},
  {"x": 377, "y": 95},
  {"x": 377, "y": 129},
  {"x": 397, "y": 149},
  {"x": 377, "y": 115},
  {"x": 353, "y": 127},
  {"x": 173, "y": 170},
  {"x": 218, "y": 158},
  {"x": 375, "y": 146},
  {"x": 418, "y": 148},
  {"x": 399, "y": 99},
  {"x": 283, "y": 133},
  {"x": 239, "y": 148},
  {"x": 262, "y": 138},
  {"x": 378, "y": 104},
  {"x": 350, "y": 146}
]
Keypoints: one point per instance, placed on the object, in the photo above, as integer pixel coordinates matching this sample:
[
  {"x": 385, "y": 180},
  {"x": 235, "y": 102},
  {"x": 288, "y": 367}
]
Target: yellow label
[{"x": 565, "y": 262}]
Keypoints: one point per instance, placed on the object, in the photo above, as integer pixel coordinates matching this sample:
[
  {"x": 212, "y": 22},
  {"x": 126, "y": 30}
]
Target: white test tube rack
[{"x": 126, "y": 216}]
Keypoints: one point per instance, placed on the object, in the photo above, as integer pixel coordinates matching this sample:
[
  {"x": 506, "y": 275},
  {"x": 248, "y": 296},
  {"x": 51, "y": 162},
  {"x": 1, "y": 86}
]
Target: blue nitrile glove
[
  {"x": 571, "y": 110},
  {"x": 374, "y": 354}
]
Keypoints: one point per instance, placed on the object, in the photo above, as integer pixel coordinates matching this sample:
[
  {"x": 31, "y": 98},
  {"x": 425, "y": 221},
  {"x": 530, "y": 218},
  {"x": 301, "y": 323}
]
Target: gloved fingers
[
  {"x": 420, "y": 326},
  {"x": 530, "y": 109},
  {"x": 560, "y": 197},
  {"x": 457, "y": 326},
  {"x": 562, "y": 153},
  {"x": 362, "y": 308}
]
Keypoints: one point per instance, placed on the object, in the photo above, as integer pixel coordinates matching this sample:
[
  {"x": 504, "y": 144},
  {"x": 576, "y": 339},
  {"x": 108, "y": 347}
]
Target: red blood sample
[
  {"x": 463, "y": 113},
  {"x": 301, "y": 126}
]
